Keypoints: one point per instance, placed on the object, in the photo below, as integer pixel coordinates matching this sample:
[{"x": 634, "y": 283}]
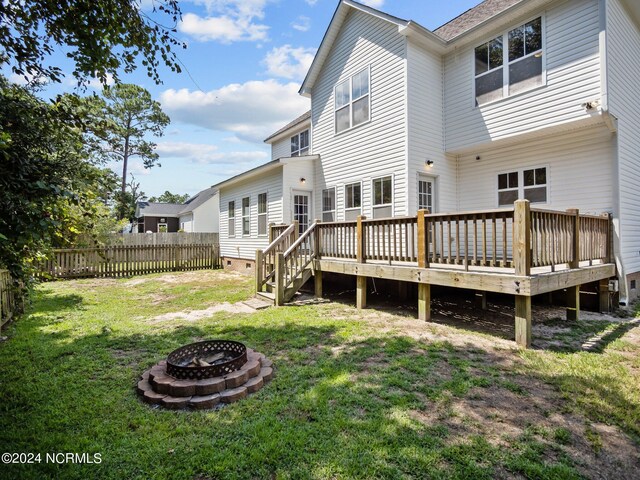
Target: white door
[{"x": 301, "y": 209}]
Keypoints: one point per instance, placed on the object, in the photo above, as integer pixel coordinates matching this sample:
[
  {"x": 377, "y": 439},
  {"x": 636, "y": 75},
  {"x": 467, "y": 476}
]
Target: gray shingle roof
[
  {"x": 302, "y": 118},
  {"x": 175, "y": 209},
  {"x": 198, "y": 199},
  {"x": 472, "y": 17}
]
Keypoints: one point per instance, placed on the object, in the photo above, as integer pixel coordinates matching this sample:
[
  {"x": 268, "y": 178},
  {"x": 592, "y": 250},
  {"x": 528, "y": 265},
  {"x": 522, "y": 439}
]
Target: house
[
  {"x": 513, "y": 99},
  {"x": 198, "y": 214}
]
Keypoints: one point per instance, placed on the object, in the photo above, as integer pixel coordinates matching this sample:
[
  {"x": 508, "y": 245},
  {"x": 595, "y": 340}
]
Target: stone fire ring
[{"x": 157, "y": 387}]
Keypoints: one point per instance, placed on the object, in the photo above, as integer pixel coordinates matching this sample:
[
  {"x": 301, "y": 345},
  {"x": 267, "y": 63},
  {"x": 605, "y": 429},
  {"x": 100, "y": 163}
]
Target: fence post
[
  {"x": 259, "y": 271},
  {"x": 279, "y": 280}
]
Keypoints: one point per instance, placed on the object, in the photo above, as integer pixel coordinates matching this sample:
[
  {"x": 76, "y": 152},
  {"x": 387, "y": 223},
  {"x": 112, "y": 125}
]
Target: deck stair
[{"x": 285, "y": 265}]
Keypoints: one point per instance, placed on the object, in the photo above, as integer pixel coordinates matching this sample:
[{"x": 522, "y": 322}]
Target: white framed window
[
  {"x": 426, "y": 193},
  {"x": 300, "y": 144},
  {"x": 262, "y": 214},
  {"x": 246, "y": 216},
  {"x": 163, "y": 228},
  {"x": 329, "y": 204},
  {"x": 510, "y": 63},
  {"x": 382, "y": 197},
  {"x": 352, "y": 101},
  {"x": 232, "y": 218},
  {"x": 352, "y": 200},
  {"x": 529, "y": 183}
]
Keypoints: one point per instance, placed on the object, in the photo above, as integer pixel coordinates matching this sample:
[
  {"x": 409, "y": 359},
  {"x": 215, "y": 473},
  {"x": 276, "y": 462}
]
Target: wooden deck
[{"x": 519, "y": 251}]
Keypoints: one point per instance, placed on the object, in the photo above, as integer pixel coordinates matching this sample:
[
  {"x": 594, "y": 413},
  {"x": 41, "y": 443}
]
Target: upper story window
[
  {"x": 300, "y": 144},
  {"x": 530, "y": 184},
  {"x": 510, "y": 63},
  {"x": 352, "y": 102}
]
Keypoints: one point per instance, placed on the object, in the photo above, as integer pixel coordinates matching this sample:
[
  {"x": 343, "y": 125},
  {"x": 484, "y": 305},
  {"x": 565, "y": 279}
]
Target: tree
[
  {"x": 127, "y": 202},
  {"x": 168, "y": 197},
  {"x": 49, "y": 191},
  {"x": 101, "y": 37},
  {"x": 125, "y": 116}
]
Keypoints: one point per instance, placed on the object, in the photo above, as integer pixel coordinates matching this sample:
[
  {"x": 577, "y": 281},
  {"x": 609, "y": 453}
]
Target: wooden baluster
[{"x": 484, "y": 240}]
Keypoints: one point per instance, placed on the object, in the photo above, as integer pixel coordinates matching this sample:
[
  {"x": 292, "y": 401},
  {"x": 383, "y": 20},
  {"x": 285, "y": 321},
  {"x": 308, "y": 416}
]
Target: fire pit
[
  {"x": 203, "y": 374},
  {"x": 207, "y": 359}
]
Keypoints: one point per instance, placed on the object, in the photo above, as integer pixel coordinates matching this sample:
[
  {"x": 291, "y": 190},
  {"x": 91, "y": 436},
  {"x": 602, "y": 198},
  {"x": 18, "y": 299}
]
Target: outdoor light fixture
[
  {"x": 429, "y": 163},
  {"x": 303, "y": 180}
]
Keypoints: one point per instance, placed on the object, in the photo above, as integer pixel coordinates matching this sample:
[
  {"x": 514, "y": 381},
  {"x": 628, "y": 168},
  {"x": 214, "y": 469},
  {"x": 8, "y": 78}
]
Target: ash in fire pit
[{"x": 201, "y": 375}]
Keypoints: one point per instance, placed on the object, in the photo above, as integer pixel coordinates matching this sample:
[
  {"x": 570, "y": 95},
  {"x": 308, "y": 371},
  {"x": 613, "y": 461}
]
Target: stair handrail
[
  {"x": 294, "y": 265},
  {"x": 265, "y": 259}
]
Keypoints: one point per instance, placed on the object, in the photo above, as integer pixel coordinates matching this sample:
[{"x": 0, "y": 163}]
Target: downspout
[{"x": 611, "y": 122}]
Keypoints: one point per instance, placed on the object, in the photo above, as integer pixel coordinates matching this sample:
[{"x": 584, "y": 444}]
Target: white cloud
[
  {"x": 302, "y": 23},
  {"x": 289, "y": 62},
  {"x": 311, "y": 2},
  {"x": 373, "y": 3},
  {"x": 227, "y": 21},
  {"x": 206, "y": 153},
  {"x": 251, "y": 111}
]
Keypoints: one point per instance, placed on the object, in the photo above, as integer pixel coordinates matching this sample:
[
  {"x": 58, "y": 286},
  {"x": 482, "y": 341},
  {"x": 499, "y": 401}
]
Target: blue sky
[{"x": 243, "y": 67}]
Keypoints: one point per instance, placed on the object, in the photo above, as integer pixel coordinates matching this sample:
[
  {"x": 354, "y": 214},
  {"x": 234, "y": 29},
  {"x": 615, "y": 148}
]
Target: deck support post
[
  {"x": 603, "y": 295},
  {"x": 424, "y": 302},
  {"x": 523, "y": 321},
  {"x": 317, "y": 279},
  {"x": 259, "y": 272},
  {"x": 573, "y": 303},
  {"x": 361, "y": 292},
  {"x": 481, "y": 299},
  {"x": 279, "y": 279}
]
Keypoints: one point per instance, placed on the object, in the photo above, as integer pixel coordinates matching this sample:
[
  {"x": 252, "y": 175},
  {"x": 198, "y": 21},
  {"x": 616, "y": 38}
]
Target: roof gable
[
  {"x": 332, "y": 32},
  {"x": 473, "y": 17}
]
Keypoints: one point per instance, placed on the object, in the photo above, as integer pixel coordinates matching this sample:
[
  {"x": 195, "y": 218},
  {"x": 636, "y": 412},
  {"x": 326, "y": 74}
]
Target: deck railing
[{"x": 517, "y": 239}]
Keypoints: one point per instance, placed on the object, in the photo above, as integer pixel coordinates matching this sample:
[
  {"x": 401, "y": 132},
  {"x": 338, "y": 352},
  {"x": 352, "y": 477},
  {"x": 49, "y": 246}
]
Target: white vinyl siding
[
  {"x": 245, "y": 247},
  {"x": 623, "y": 45},
  {"x": 282, "y": 147},
  {"x": 373, "y": 149},
  {"x": 426, "y": 131},
  {"x": 572, "y": 77},
  {"x": 206, "y": 216},
  {"x": 579, "y": 171}
]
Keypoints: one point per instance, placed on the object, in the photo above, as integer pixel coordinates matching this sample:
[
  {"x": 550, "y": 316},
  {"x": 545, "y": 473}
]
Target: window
[
  {"x": 262, "y": 214},
  {"x": 382, "y": 197},
  {"x": 329, "y": 205},
  {"x": 300, "y": 144},
  {"x": 352, "y": 101},
  {"x": 530, "y": 184},
  {"x": 232, "y": 219},
  {"x": 425, "y": 194},
  {"x": 246, "y": 218},
  {"x": 500, "y": 71},
  {"x": 352, "y": 201},
  {"x": 162, "y": 228}
]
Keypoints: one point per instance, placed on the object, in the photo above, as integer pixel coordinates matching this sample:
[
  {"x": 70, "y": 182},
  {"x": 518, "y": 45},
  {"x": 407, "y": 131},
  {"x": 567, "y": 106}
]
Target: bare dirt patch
[
  {"x": 189, "y": 277},
  {"x": 193, "y": 315}
]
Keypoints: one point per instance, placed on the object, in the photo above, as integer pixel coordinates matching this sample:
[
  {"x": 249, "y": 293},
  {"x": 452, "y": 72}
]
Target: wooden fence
[
  {"x": 125, "y": 261},
  {"x": 9, "y": 304}
]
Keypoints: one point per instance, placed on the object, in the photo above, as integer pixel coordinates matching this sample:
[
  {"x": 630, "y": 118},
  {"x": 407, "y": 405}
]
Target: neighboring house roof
[
  {"x": 158, "y": 209},
  {"x": 174, "y": 209},
  {"x": 301, "y": 119},
  {"x": 198, "y": 199},
  {"x": 473, "y": 17}
]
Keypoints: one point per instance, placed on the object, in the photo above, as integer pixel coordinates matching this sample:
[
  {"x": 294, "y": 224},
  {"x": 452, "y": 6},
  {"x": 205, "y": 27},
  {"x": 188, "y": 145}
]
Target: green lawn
[{"x": 372, "y": 394}]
